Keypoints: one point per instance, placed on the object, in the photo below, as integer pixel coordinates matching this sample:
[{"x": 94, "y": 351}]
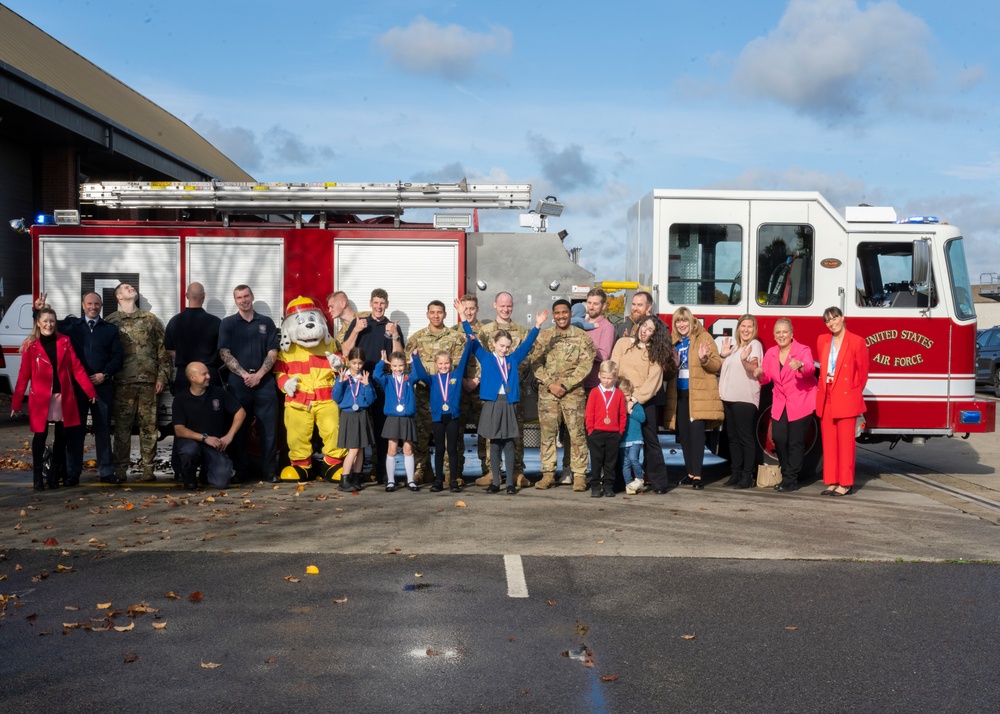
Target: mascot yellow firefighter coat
[{"x": 306, "y": 370}]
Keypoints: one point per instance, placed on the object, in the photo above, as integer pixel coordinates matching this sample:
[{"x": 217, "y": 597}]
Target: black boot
[
  {"x": 39, "y": 481},
  {"x": 733, "y": 480}
]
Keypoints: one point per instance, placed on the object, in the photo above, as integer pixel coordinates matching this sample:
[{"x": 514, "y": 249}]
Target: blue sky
[{"x": 888, "y": 103}]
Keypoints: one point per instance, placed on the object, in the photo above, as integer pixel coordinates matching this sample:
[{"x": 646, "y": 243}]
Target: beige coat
[{"x": 703, "y": 380}]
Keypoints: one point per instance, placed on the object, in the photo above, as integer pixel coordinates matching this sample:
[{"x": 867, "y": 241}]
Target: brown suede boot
[
  {"x": 484, "y": 480},
  {"x": 579, "y": 482},
  {"x": 548, "y": 480}
]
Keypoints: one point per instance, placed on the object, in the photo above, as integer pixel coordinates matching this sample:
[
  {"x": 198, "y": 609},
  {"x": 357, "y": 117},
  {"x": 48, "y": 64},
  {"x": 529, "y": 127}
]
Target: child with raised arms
[
  {"x": 500, "y": 391},
  {"x": 605, "y": 422},
  {"x": 400, "y": 427},
  {"x": 353, "y": 395},
  {"x": 446, "y": 419}
]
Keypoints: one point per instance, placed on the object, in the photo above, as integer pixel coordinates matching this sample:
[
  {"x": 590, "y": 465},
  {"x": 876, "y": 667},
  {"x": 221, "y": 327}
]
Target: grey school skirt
[
  {"x": 400, "y": 427},
  {"x": 498, "y": 420},
  {"x": 355, "y": 431}
]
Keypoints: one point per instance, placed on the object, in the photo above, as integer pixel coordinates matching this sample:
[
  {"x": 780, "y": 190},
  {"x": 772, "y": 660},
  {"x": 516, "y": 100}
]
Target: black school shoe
[
  {"x": 438, "y": 487},
  {"x": 787, "y": 487},
  {"x": 596, "y": 492}
]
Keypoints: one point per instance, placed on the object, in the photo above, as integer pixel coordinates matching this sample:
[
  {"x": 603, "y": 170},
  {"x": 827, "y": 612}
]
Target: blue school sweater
[
  {"x": 453, "y": 380},
  {"x": 491, "y": 380},
  {"x": 388, "y": 383},
  {"x": 344, "y": 397}
]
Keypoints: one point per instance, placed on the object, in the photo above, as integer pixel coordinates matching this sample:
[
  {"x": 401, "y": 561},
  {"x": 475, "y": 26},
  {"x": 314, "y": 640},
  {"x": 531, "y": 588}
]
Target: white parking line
[{"x": 516, "y": 585}]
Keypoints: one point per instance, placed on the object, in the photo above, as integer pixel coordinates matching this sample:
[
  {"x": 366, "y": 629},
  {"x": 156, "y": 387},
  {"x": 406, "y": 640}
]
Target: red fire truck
[
  {"x": 903, "y": 285},
  {"x": 286, "y": 240}
]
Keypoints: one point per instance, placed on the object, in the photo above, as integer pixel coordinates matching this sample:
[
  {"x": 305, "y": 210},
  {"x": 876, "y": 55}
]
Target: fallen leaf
[
  {"x": 312, "y": 570},
  {"x": 51, "y": 541},
  {"x": 412, "y": 555},
  {"x": 24, "y": 513},
  {"x": 172, "y": 595},
  {"x": 550, "y": 602},
  {"x": 291, "y": 579},
  {"x": 600, "y": 542},
  {"x": 210, "y": 499},
  {"x": 18, "y": 566},
  {"x": 270, "y": 660},
  {"x": 71, "y": 607},
  {"x": 160, "y": 625},
  {"x": 460, "y": 504},
  {"x": 128, "y": 627},
  {"x": 64, "y": 568},
  {"x": 209, "y": 665},
  {"x": 525, "y": 691},
  {"x": 418, "y": 575},
  {"x": 103, "y": 605},
  {"x": 71, "y": 625},
  {"x": 791, "y": 627},
  {"x": 195, "y": 596},
  {"x": 512, "y": 639},
  {"x": 341, "y": 601},
  {"x": 300, "y": 487},
  {"x": 130, "y": 657},
  {"x": 687, "y": 637},
  {"x": 610, "y": 678},
  {"x": 432, "y": 653}
]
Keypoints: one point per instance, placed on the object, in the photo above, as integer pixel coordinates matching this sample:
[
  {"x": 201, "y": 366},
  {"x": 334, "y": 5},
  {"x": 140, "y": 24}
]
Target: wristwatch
[{"x": 204, "y": 437}]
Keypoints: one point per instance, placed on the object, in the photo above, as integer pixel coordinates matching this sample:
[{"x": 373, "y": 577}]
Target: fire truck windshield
[{"x": 961, "y": 286}]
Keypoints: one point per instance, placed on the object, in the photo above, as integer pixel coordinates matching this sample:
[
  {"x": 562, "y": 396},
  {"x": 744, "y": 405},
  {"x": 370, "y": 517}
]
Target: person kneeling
[{"x": 200, "y": 435}]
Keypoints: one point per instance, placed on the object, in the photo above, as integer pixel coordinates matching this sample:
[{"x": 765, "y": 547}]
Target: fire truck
[
  {"x": 286, "y": 240},
  {"x": 903, "y": 285}
]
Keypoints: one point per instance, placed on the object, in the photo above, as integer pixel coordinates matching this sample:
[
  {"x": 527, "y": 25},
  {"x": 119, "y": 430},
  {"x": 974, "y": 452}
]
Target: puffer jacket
[{"x": 703, "y": 386}]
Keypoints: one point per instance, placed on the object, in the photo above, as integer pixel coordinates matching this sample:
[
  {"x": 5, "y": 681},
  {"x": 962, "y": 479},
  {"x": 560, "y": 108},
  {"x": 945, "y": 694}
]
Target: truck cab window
[
  {"x": 785, "y": 265},
  {"x": 884, "y": 278},
  {"x": 705, "y": 262}
]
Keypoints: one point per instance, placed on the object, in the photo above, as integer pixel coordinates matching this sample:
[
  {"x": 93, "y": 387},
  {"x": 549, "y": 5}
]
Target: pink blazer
[
  {"x": 849, "y": 376},
  {"x": 794, "y": 390}
]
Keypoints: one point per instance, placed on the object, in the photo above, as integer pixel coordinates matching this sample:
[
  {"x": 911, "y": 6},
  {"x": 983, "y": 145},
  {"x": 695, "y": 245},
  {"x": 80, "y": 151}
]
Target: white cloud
[
  {"x": 833, "y": 61},
  {"x": 988, "y": 170},
  {"x": 449, "y": 51}
]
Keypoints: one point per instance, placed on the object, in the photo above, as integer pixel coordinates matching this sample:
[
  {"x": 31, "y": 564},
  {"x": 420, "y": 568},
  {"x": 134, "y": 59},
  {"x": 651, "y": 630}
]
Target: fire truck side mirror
[{"x": 921, "y": 262}]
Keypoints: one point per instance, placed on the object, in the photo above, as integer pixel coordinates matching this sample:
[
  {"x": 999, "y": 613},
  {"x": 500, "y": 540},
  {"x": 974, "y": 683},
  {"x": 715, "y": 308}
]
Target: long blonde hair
[
  {"x": 695, "y": 329},
  {"x": 36, "y": 331}
]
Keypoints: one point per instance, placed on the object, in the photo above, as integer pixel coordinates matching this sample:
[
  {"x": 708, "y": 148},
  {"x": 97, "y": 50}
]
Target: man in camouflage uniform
[
  {"x": 339, "y": 308},
  {"x": 429, "y": 341},
  {"x": 503, "y": 303},
  {"x": 146, "y": 371},
  {"x": 561, "y": 359},
  {"x": 470, "y": 405}
]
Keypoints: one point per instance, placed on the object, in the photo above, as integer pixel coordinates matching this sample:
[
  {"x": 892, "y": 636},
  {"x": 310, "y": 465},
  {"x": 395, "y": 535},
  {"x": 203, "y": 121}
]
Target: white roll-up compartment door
[
  {"x": 220, "y": 264},
  {"x": 413, "y": 272},
  {"x": 71, "y": 266}
]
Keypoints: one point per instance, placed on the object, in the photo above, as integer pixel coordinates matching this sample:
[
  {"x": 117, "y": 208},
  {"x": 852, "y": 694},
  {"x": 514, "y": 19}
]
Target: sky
[{"x": 886, "y": 103}]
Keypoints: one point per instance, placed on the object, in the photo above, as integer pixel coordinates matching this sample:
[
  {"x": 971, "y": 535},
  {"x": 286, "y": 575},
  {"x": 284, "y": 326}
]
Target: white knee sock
[
  {"x": 410, "y": 465},
  {"x": 390, "y": 469}
]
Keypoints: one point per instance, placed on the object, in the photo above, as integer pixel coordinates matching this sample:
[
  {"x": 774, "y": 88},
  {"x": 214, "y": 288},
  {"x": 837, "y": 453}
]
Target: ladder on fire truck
[{"x": 233, "y": 197}]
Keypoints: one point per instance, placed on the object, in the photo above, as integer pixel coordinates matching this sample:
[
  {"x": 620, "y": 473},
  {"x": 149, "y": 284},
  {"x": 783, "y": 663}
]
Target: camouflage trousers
[
  {"x": 570, "y": 410},
  {"x": 134, "y": 404}
]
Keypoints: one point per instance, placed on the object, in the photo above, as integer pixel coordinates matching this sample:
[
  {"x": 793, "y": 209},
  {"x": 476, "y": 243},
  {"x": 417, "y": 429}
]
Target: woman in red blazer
[
  {"x": 49, "y": 363},
  {"x": 843, "y": 366}
]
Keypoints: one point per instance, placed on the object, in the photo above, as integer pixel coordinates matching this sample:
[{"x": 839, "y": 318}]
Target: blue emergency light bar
[
  {"x": 919, "y": 219},
  {"x": 970, "y": 417},
  {"x": 45, "y": 219}
]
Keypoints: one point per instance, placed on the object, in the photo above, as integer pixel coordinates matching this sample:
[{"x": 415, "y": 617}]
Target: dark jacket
[{"x": 99, "y": 351}]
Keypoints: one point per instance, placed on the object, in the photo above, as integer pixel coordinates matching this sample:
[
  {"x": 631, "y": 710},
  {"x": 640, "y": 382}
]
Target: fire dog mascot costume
[{"x": 306, "y": 370}]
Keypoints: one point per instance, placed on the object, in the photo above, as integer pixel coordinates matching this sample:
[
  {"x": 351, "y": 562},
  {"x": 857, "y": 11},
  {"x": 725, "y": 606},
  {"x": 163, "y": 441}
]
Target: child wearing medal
[
  {"x": 353, "y": 395},
  {"x": 400, "y": 406},
  {"x": 499, "y": 390},
  {"x": 446, "y": 421},
  {"x": 606, "y": 419}
]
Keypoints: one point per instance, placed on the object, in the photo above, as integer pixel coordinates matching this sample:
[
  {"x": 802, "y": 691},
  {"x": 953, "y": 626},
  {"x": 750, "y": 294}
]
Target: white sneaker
[
  {"x": 567, "y": 478},
  {"x": 634, "y": 486}
]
